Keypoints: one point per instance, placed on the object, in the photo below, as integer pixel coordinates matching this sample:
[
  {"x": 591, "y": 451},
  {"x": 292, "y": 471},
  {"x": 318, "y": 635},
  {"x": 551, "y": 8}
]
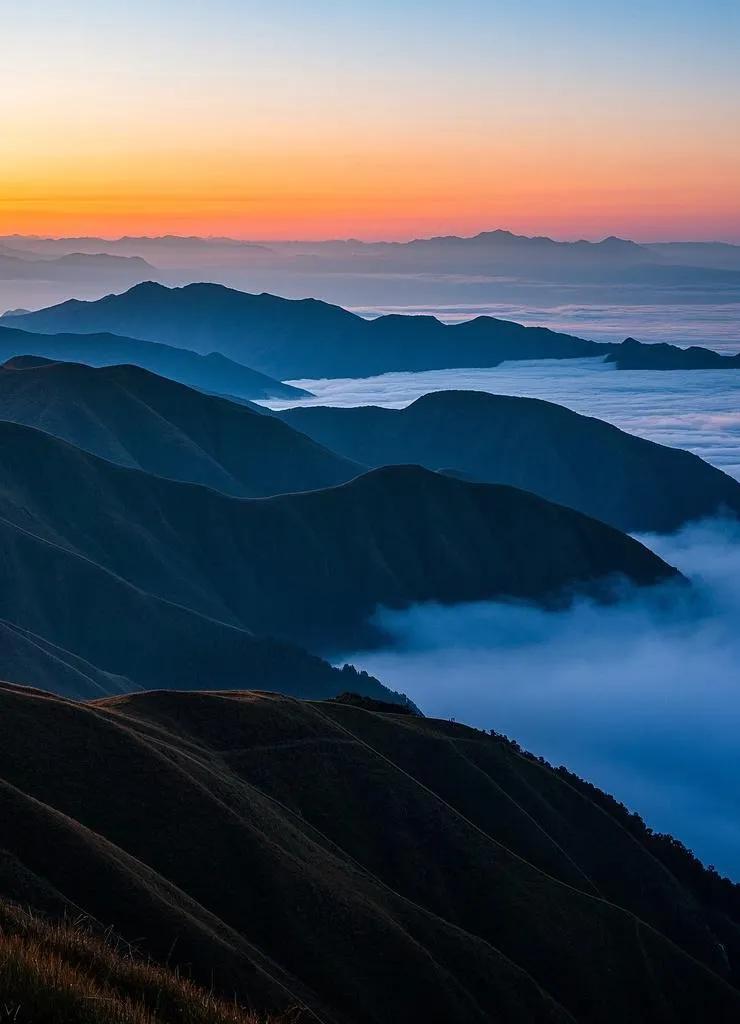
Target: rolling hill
[
  {"x": 137, "y": 419},
  {"x": 373, "y": 868},
  {"x": 574, "y": 460},
  {"x": 309, "y": 568},
  {"x": 211, "y": 372}
]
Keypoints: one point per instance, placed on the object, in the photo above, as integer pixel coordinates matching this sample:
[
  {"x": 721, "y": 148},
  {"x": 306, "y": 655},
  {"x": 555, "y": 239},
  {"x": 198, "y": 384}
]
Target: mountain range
[
  {"x": 235, "y": 836},
  {"x": 492, "y": 267},
  {"x": 307, "y": 339},
  {"x": 578, "y": 461},
  {"x": 18, "y": 265},
  {"x": 309, "y": 568},
  {"x": 185, "y": 773},
  {"x": 291, "y": 339},
  {"x": 140, "y": 420}
]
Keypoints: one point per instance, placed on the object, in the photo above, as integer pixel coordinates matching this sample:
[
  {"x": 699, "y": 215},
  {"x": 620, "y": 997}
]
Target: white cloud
[{"x": 641, "y": 698}]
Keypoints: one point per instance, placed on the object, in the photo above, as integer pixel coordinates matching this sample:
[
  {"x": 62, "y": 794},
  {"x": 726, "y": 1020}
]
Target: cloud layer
[{"x": 641, "y": 698}]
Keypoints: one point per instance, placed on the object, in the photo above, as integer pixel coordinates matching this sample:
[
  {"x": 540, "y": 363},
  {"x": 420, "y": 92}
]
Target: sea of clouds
[{"x": 641, "y": 698}]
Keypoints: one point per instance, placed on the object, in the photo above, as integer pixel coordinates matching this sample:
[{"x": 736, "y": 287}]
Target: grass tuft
[{"x": 66, "y": 973}]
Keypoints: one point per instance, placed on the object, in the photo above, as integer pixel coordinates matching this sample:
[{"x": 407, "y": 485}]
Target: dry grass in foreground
[{"x": 63, "y": 973}]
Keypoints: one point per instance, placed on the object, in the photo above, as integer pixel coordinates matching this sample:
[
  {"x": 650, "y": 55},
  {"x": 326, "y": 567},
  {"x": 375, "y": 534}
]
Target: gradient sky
[{"x": 371, "y": 118}]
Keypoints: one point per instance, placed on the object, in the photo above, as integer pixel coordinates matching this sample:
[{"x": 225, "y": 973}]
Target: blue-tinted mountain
[
  {"x": 292, "y": 339},
  {"x": 309, "y": 568},
  {"x": 578, "y": 461},
  {"x": 631, "y": 355},
  {"x": 212, "y": 372},
  {"x": 141, "y": 420}
]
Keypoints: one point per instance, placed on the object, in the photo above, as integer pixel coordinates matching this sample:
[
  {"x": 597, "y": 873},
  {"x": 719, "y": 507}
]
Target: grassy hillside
[
  {"x": 578, "y": 461},
  {"x": 373, "y": 867},
  {"x": 138, "y": 419},
  {"x": 309, "y": 568},
  {"x": 59, "y": 972}
]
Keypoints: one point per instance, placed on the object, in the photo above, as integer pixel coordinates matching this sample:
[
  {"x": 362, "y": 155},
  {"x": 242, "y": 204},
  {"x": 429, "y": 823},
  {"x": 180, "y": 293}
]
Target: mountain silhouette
[
  {"x": 213, "y": 372},
  {"x": 292, "y": 339},
  {"x": 372, "y": 867},
  {"x": 631, "y": 355},
  {"x": 124, "y": 270},
  {"x": 578, "y": 461},
  {"x": 135, "y": 418},
  {"x": 310, "y": 567}
]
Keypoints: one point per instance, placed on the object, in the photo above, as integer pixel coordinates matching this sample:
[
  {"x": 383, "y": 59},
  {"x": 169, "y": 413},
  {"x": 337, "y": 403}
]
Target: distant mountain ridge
[
  {"x": 631, "y": 355},
  {"x": 212, "y": 372},
  {"x": 578, "y": 461},
  {"x": 293, "y": 339}
]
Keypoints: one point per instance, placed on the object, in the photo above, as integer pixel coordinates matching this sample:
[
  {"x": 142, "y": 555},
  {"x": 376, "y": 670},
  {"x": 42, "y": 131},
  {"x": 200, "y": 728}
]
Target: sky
[{"x": 383, "y": 119}]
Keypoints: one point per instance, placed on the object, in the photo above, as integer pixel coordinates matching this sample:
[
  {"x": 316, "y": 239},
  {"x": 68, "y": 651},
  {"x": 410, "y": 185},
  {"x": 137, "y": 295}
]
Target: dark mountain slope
[
  {"x": 378, "y": 868},
  {"x": 81, "y": 630},
  {"x": 302, "y": 338},
  {"x": 574, "y": 460},
  {"x": 631, "y": 355},
  {"x": 212, "y": 372},
  {"x": 309, "y": 567},
  {"x": 135, "y": 418}
]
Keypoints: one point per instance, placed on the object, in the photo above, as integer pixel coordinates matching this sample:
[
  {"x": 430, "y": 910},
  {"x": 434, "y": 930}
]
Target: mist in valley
[{"x": 642, "y": 698}]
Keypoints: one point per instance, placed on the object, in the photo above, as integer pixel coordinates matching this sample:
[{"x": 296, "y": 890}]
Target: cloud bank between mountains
[{"x": 641, "y": 698}]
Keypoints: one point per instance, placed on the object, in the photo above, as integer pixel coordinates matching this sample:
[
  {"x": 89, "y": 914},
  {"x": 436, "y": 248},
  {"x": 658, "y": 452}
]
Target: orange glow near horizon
[
  {"x": 301, "y": 196},
  {"x": 368, "y": 121}
]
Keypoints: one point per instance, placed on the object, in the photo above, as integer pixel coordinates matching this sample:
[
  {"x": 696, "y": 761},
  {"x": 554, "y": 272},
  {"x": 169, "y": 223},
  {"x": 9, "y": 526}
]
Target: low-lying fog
[{"x": 641, "y": 698}]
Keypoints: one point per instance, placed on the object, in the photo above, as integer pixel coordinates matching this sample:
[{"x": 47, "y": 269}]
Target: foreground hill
[
  {"x": 138, "y": 419},
  {"x": 211, "y": 372},
  {"x": 308, "y": 567},
  {"x": 291, "y": 339},
  {"x": 372, "y": 867},
  {"x": 574, "y": 460}
]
